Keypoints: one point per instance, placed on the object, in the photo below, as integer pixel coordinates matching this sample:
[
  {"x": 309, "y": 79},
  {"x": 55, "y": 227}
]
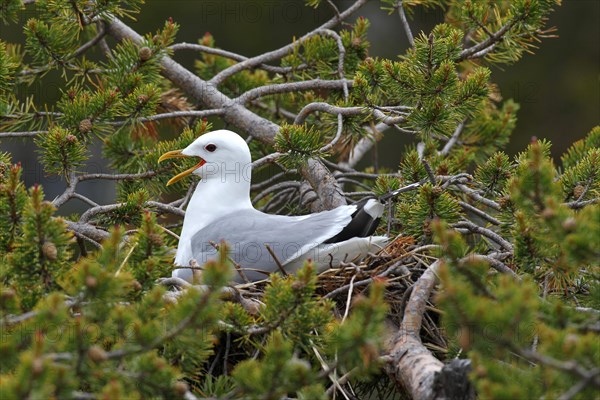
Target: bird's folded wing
[{"x": 249, "y": 231}]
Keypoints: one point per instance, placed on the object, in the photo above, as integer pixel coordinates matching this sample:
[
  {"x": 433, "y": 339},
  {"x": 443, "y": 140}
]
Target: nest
[{"x": 399, "y": 264}]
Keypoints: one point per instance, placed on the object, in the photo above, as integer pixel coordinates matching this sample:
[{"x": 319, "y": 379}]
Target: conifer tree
[{"x": 489, "y": 286}]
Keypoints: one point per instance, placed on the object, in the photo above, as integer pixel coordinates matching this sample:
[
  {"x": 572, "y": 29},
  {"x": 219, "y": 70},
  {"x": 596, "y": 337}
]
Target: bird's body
[{"x": 220, "y": 209}]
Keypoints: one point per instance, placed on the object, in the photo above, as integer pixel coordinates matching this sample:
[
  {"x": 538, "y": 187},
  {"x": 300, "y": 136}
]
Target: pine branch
[
  {"x": 490, "y": 41},
  {"x": 283, "y": 51}
]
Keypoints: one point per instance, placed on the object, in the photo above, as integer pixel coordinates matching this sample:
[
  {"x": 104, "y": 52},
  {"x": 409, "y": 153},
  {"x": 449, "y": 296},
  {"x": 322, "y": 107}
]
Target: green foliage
[
  {"x": 494, "y": 173},
  {"x": 386, "y": 184},
  {"x": 9, "y": 10},
  {"x": 578, "y": 150},
  {"x": 7, "y": 69},
  {"x": 357, "y": 341},
  {"x": 298, "y": 143},
  {"x": 426, "y": 79},
  {"x": 60, "y": 151},
  {"x": 582, "y": 181},
  {"x": 13, "y": 197},
  {"x": 524, "y": 21},
  {"x": 41, "y": 252},
  {"x": 318, "y": 57},
  {"x": 49, "y": 43},
  {"x": 277, "y": 374},
  {"x": 291, "y": 302},
  {"x": 418, "y": 210},
  {"x": 495, "y": 320},
  {"x": 490, "y": 130},
  {"x": 150, "y": 258}
]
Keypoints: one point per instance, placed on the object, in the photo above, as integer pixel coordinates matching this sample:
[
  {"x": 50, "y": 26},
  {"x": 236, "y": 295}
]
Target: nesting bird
[{"x": 220, "y": 209}]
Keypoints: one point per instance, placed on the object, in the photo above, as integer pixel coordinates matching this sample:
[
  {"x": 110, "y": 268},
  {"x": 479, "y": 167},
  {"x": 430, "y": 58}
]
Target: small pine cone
[
  {"x": 91, "y": 281},
  {"x": 298, "y": 285},
  {"x": 136, "y": 285},
  {"x": 356, "y": 42},
  {"x": 85, "y": 125},
  {"x": 155, "y": 239},
  {"x": 252, "y": 307},
  {"x": 181, "y": 388},
  {"x": 142, "y": 98},
  {"x": 145, "y": 53},
  {"x": 548, "y": 213},
  {"x": 37, "y": 366},
  {"x": 427, "y": 227},
  {"x": 504, "y": 201},
  {"x": 481, "y": 371},
  {"x": 97, "y": 354},
  {"x": 71, "y": 138},
  {"x": 49, "y": 250},
  {"x": 578, "y": 191},
  {"x": 569, "y": 224},
  {"x": 570, "y": 342},
  {"x": 437, "y": 190}
]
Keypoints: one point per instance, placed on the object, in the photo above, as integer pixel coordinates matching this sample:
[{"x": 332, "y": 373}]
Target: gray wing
[{"x": 249, "y": 231}]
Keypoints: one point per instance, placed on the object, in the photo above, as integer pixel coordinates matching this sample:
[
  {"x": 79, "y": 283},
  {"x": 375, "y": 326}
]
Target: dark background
[{"x": 557, "y": 87}]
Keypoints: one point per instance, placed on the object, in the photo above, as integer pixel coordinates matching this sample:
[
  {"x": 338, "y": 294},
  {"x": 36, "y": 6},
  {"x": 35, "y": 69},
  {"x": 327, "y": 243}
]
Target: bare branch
[
  {"x": 314, "y": 84},
  {"x": 232, "y": 56},
  {"x": 117, "y": 177},
  {"x": 337, "y": 137},
  {"x": 87, "y": 231},
  {"x": 453, "y": 139},
  {"x": 75, "y": 179},
  {"x": 21, "y": 134},
  {"x": 576, "y": 205},
  {"x": 266, "y": 159},
  {"x": 477, "y": 197},
  {"x": 328, "y": 108},
  {"x": 341, "y": 50},
  {"x": 174, "y": 114},
  {"x": 494, "y": 263},
  {"x": 365, "y": 144},
  {"x": 405, "y": 24},
  {"x": 490, "y": 41},
  {"x": 413, "y": 365},
  {"x": 99, "y": 36},
  {"x": 479, "y": 212},
  {"x": 485, "y": 232}
]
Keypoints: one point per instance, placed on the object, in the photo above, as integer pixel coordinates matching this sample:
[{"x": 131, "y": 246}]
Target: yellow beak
[{"x": 181, "y": 175}]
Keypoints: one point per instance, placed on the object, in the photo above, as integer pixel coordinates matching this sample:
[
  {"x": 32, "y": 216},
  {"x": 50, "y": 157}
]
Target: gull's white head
[{"x": 221, "y": 154}]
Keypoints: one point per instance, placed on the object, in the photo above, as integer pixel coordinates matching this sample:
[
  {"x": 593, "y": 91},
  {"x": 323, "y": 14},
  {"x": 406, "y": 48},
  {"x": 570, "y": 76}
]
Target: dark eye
[{"x": 210, "y": 147}]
